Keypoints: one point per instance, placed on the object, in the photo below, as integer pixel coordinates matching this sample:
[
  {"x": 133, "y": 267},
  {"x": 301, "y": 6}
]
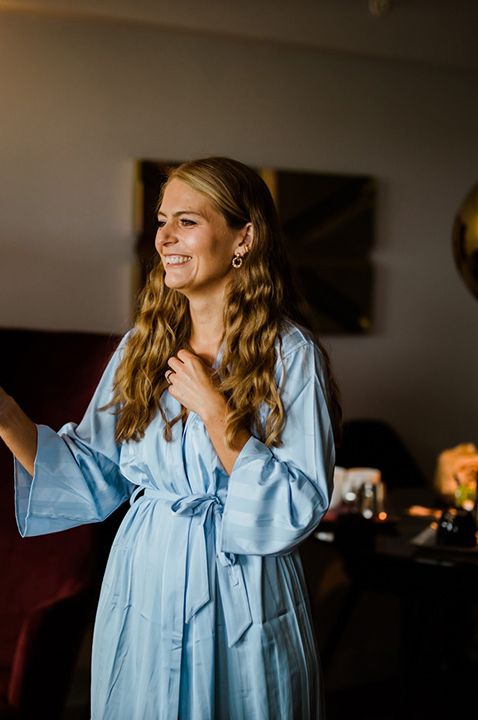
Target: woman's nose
[{"x": 164, "y": 235}]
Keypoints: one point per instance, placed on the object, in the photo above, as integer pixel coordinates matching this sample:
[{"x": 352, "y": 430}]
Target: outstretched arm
[
  {"x": 74, "y": 477},
  {"x": 17, "y": 431}
]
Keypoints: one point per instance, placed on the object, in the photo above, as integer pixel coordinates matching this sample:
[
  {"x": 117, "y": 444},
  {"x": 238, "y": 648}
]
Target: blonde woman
[{"x": 215, "y": 419}]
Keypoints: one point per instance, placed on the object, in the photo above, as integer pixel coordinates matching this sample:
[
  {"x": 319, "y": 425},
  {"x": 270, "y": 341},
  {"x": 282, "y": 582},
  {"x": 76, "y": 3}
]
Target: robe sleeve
[
  {"x": 76, "y": 477},
  {"x": 277, "y": 496}
]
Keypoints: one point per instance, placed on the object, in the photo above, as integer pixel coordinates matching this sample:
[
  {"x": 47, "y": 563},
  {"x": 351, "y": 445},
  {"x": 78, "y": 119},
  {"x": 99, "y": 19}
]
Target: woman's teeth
[{"x": 177, "y": 259}]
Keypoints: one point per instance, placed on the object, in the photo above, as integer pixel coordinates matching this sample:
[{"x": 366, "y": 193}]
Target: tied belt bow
[{"x": 209, "y": 509}]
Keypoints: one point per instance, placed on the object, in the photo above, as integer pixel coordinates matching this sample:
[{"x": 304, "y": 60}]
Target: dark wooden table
[{"x": 437, "y": 590}]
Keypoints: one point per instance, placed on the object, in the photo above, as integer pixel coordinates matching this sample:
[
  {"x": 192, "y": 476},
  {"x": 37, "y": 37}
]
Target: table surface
[{"x": 401, "y": 535}]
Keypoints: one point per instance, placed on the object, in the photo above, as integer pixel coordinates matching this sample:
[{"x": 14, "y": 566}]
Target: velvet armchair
[{"x": 49, "y": 583}]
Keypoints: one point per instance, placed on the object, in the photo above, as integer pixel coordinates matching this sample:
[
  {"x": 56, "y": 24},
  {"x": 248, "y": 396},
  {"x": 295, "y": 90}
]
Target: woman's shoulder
[
  {"x": 120, "y": 346},
  {"x": 125, "y": 337},
  {"x": 293, "y": 336}
]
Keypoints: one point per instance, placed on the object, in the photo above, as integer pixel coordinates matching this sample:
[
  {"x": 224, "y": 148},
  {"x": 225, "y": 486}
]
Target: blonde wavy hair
[{"x": 259, "y": 297}]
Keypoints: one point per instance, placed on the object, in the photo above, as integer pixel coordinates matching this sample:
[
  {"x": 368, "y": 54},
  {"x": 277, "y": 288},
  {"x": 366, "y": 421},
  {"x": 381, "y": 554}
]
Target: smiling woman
[
  {"x": 328, "y": 220},
  {"x": 195, "y": 243},
  {"x": 216, "y": 418}
]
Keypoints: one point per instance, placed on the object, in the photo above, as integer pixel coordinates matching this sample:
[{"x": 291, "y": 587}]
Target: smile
[{"x": 177, "y": 259}]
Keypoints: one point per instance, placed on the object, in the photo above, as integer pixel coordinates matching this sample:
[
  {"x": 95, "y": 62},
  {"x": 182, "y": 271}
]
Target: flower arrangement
[{"x": 456, "y": 475}]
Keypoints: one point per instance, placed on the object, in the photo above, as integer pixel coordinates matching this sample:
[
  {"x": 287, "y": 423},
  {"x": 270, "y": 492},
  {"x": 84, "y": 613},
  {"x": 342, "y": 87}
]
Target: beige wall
[{"x": 81, "y": 101}]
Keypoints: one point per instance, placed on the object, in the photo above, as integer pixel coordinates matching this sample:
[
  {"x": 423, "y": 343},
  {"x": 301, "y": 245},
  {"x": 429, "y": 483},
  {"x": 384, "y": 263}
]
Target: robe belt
[{"x": 209, "y": 509}]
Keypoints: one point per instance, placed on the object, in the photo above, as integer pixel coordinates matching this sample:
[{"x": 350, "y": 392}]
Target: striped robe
[{"x": 203, "y": 611}]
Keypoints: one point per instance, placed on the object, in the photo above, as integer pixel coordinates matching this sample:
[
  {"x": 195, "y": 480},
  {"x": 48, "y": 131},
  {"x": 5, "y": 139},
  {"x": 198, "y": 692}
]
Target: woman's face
[{"x": 194, "y": 242}]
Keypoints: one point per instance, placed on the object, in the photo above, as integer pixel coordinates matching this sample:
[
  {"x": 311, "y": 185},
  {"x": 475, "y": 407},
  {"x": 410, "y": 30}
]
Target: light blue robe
[{"x": 203, "y": 612}]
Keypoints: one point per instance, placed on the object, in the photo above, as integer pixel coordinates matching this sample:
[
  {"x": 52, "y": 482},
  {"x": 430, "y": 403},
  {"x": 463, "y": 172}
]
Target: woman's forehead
[{"x": 178, "y": 195}]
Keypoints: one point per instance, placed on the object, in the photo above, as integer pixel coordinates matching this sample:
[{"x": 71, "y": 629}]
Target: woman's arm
[
  {"x": 75, "y": 475},
  {"x": 277, "y": 496},
  {"x": 214, "y": 419},
  {"x": 18, "y": 432}
]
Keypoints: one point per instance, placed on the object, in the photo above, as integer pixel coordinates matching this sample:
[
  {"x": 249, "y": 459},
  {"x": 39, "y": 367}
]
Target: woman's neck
[{"x": 207, "y": 329}]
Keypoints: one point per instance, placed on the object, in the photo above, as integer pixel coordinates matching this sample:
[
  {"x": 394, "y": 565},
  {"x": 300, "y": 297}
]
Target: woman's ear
[{"x": 246, "y": 238}]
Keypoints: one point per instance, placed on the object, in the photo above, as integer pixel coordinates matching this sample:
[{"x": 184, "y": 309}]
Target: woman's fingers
[
  {"x": 167, "y": 375},
  {"x": 190, "y": 381},
  {"x": 175, "y": 364},
  {"x": 191, "y": 364}
]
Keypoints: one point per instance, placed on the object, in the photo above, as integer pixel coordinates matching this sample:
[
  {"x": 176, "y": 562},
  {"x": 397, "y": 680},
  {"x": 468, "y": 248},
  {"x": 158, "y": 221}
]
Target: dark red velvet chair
[{"x": 50, "y": 583}]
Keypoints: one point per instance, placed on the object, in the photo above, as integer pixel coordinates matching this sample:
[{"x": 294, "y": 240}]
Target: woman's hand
[
  {"x": 17, "y": 431},
  {"x": 191, "y": 382},
  {"x": 6, "y": 406}
]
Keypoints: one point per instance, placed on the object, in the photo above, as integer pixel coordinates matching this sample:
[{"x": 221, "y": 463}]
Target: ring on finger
[{"x": 168, "y": 377}]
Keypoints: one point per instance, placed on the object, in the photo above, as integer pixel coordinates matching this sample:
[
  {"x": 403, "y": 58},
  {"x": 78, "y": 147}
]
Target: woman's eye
[
  {"x": 187, "y": 222},
  {"x": 161, "y": 223}
]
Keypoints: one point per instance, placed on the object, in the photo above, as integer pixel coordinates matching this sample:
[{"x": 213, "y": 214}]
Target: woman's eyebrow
[{"x": 181, "y": 212}]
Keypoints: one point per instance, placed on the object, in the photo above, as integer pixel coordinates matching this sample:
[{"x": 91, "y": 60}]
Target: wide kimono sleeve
[
  {"x": 76, "y": 477},
  {"x": 277, "y": 496}
]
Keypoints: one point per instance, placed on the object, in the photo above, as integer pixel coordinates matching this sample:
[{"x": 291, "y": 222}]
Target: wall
[{"x": 81, "y": 101}]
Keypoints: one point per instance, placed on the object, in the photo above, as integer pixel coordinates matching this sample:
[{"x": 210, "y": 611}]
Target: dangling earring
[{"x": 237, "y": 260}]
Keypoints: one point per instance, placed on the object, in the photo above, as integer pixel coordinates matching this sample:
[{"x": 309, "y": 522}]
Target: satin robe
[{"x": 203, "y": 611}]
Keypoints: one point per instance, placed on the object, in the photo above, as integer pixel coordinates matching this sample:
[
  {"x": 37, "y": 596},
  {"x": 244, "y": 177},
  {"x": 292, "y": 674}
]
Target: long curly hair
[{"x": 260, "y": 296}]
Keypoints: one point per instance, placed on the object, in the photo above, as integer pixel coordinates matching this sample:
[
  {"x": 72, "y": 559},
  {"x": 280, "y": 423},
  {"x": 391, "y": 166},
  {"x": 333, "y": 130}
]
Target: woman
[{"x": 214, "y": 419}]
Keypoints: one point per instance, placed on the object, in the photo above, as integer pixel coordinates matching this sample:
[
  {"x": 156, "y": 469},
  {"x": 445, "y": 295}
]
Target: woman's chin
[{"x": 173, "y": 283}]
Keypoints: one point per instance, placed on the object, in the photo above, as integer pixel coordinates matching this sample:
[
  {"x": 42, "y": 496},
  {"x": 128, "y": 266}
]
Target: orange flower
[{"x": 456, "y": 467}]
